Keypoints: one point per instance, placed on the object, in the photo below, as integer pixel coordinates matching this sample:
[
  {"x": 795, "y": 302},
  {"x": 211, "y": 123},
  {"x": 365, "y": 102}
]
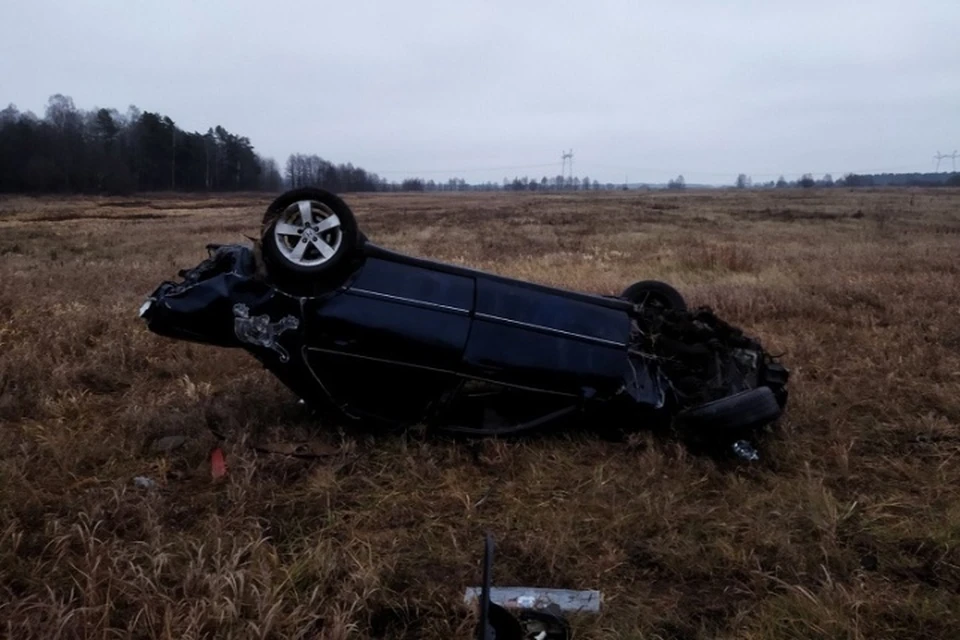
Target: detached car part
[
  {"x": 524, "y": 613},
  {"x": 362, "y": 333}
]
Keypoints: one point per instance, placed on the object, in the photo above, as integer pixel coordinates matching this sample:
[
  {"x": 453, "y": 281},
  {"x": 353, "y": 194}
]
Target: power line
[
  {"x": 567, "y": 169},
  {"x": 564, "y": 156},
  {"x": 471, "y": 170},
  {"x": 913, "y": 167},
  {"x": 943, "y": 156}
]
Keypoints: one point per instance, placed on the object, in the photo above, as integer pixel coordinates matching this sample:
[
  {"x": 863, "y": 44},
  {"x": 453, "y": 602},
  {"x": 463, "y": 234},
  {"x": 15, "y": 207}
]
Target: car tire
[
  {"x": 745, "y": 410},
  {"x": 308, "y": 232},
  {"x": 655, "y": 293}
]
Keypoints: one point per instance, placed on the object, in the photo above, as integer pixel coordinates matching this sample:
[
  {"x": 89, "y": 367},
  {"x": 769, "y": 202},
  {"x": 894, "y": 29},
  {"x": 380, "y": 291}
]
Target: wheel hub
[{"x": 308, "y": 233}]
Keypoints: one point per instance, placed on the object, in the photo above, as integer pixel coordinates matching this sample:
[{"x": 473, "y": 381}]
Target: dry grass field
[{"x": 849, "y": 527}]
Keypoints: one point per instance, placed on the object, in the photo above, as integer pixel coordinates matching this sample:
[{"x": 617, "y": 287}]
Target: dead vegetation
[{"x": 849, "y": 527}]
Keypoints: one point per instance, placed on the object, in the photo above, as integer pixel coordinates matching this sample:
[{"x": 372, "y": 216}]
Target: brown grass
[{"x": 849, "y": 528}]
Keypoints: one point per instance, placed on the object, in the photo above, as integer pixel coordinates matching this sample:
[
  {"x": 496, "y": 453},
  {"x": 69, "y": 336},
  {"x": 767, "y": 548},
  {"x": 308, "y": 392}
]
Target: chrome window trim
[
  {"x": 538, "y": 327},
  {"x": 411, "y": 301}
]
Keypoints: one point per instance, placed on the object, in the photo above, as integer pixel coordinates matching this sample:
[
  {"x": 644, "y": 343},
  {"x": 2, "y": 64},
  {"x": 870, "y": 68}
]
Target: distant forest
[
  {"x": 852, "y": 180},
  {"x": 903, "y": 180},
  {"x": 103, "y": 151},
  {"x": 303, "y": 170}
]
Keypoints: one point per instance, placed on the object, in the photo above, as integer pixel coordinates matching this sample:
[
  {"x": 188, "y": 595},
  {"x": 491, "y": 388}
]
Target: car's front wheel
[{"x": 308, "y": 232}]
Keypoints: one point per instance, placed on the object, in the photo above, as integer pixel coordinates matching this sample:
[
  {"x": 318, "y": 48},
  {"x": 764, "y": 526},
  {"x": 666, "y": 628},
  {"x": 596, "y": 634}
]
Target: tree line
[
  {"x": 807, "y": 181},
  {"x": 311, "y": 170},
  {"x": 526, "y": 183},
  {"x": 304, "y": 170},
  {"x": 101, "y": 150},
  {"x": 70, "y": 150}
]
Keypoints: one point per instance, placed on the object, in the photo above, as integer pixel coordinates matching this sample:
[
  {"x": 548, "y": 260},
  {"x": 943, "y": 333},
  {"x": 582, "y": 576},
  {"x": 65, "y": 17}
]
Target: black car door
[
  {"x": 392, "y": 341},
  {"x": 533, "y": 336}
]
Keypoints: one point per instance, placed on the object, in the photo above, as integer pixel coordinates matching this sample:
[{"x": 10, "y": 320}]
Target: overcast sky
[{"x": 485, "y": 90}]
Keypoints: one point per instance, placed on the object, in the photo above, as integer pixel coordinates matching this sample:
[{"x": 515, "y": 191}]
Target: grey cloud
[{"x": 700, "y": 87}]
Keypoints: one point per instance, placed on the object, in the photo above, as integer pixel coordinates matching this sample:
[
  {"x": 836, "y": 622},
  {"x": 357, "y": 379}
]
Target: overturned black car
[{"x": 362, "y": 333}]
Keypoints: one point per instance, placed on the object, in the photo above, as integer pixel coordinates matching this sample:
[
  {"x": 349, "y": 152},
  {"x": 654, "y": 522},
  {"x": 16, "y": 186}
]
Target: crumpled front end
[
  {"x": 220, "y": 302},
  {"x": 705, "y": 358},
  {"x": 726, "y": 389}
]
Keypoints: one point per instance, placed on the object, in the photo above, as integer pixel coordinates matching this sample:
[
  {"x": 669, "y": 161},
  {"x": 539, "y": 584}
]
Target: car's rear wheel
[
  {"x": 653, "y": 293},
  {"x": 308, "y": 232}
]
